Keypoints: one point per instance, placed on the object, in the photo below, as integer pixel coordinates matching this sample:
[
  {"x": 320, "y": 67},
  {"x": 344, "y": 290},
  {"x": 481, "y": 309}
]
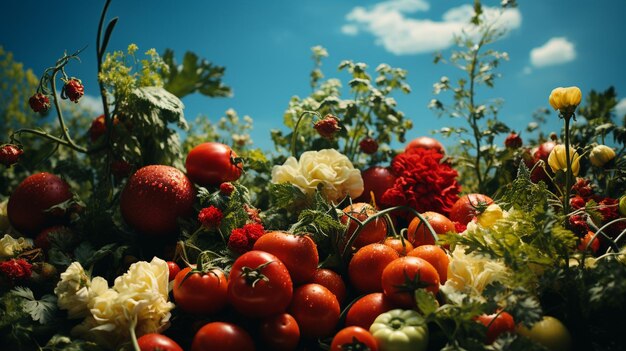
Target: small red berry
[
  {"x": 226, "y": 188},
  {"x": 73, "y": 90},
  {"x": 39, "y": 102},
  {"x": 368, "y": 145},
  {"x": 327, "y": 126},
  {"x": 10, "y": 154},
  {"x": 16, "y": 269},
  {"x": 210, "y": 217},
  {"x": 513, "y": 141},
  {"x": 173, "y": 269}
]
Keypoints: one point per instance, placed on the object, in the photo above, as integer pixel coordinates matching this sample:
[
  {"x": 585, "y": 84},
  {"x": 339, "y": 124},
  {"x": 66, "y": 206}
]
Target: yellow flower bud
[
  {"x": 490, "y": 215},
  {"x": 565, "y": 99},
  {"x": 600, "y": 155},
  {"x": 557, "y": 159}
]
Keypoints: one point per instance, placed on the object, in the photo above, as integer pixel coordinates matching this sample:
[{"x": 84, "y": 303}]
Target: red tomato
[
  {"x": 200, "y": 293},
  {"x": 469, "y": 206},
  {"x": 367, "y": 265},
  {"x": 316, "y": 310},
  {"x": 425, "y": 143},
  {"x": 364, "y": 311},
  {"x": 405, "y": 275},
  {"x": 157, "y": 342},
  {"x": 297, "y": 252},
  {"x": 259, "y": 285},
  {"x": 436, "y": 256},
  {"x": 373, "y": 232},
  {"x": 173, "y": 269},
  {"x": 154, "y": 197},
  {"x": 280, "y": 332},
  {"x": 29, "y": 203},
  {"x": 402, "y": 247},
  {"x": 418, "y": 234},
  {"x": 377, "y": 180},
  {"x": 332, "y": 281},
  {"x": 223, "y": 337},
  {"x": 355, "y": 337},
  {"x": 497, "y": 324},
  {"x": 211, "y": 164}
]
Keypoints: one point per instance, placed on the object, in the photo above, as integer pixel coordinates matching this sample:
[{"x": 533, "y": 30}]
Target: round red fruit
[
  {"x": 418, "y": 234},
  {"x": 332, "y": 281},
  {"x": 469, "y": 206},
  {"x": 401, "y": 246},
  {"x": 173, "y": 268},
  {"x": 364, "y": 311},
  {"x": 376, "y": 180},
  {"x": 354, "y": 338},
  {"x": 157, "y": 342},
  {"x": 402, "y": 277},
  {"x": 154, "y": 197},
  {"x": 436, "y": 256},
  {"x": 316, "y": 310},
  {"x": 367, "y": 265},
  {"x": 222, "y": 336},
  {"x": 280, "y": 332},
  {"x": 297, "y": 252},
  {"x": 259, "y": 285},
  {"x": 425, "y": 143},
  {"x": 29, "y": 204},
  {"x": 211, "y": 164},
  {"x": 373, "y": 232},
  {"x": 201, "y": 293},
  {"x": 497, "y": 324}
]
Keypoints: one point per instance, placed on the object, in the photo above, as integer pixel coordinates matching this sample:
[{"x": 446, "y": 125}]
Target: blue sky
[{"x": 265, "y": 46}]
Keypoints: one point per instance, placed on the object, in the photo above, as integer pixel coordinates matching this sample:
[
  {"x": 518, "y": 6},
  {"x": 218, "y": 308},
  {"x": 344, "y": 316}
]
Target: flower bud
[
  {"x": 368, "y": 145},
  {"x": 600, "y": 155},
  {"x": 39, "y": 102},
  {"x": 558, "y": 160},
  {"x": 327, "y": 126},
  {"x": 10, "y": 154},
  {"x": 73, "y": 90},
  {"x": 565, "y": 99}
]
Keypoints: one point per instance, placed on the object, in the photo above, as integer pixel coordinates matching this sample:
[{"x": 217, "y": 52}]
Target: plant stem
[
  {"x": 294, "y": 136},
  {"x": 568, "y": 173},
  {"x": 66, "y": 135}
]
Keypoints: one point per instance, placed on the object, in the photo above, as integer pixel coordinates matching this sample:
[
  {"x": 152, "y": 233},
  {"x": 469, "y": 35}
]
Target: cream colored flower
[
  {"x": 558, "y": 160},
  {"x": 601, "y": 155},
  {"x": 471, "y": 273},
  {"x": 74, "y": 291},
  {"x": 326, "y": 167},
  {"x": 9, "y": 246}
]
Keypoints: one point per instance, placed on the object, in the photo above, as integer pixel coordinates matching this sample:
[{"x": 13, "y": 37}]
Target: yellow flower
[
  {"x": 565, "y": 99},
  {"x": 490, "y": 215},
  {"x": 600, "y": 155},
  {"x": 74, "y": 291},
  {"x": 326, "y": 167},
  {"x": 557, "y": 159}
]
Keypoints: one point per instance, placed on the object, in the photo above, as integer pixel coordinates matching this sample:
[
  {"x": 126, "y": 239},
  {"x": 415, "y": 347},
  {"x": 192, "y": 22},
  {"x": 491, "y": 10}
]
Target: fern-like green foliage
[{"x": 530, "y": 239}]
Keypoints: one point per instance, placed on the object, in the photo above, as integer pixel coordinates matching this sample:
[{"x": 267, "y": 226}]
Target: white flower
[
  {"x": 141, "y": 294},
  {"x": 471, "y": 273},
  {"x": 327, "y": 167},
  {"x": 75, "y": 291},
  {"x": 9, "y": 246}
]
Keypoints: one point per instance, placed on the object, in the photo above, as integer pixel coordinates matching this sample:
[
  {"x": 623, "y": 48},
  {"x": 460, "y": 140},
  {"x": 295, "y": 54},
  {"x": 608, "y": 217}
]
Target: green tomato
[
  {"x": 400, "y": 330},
  {"x": 549, "y": 332}
]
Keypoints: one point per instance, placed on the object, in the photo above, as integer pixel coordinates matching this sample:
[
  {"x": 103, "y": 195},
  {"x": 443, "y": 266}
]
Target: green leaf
[
  {"x": 41, "y": 311},
  {"x": 426, "y": 302},
  {"x": 194, "y": 75},
  {"x": 162, "y": 102},
  {"x": 64, "y": 343}
]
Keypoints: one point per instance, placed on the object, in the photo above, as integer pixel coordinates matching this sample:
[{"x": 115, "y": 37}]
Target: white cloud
[
  {"x": 556, "y": 51},
  {"x": 91, "y": 103},
  {"x": 402, "y": 35},
  {"x": 620, "y": 108},
  {"x": 350, "y": 29}
]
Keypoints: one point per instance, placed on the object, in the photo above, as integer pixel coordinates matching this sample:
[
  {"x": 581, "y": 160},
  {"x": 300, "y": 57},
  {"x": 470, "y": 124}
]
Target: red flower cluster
[
  {"x": 73, "y": 90},
  {"x": 327, "y": 126},
  {"x": 368, "y": 145},
  {"x": 16, "y": 269},
  {"x": 242, "y": 240},
  {"x": 424, "y": 182},
  {"x": 210, "y": 217},
  {"x": 39, "y": 102}
]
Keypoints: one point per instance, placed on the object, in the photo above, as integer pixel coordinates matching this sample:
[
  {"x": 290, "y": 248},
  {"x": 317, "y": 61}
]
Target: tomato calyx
[
  {"x": 355, "y": 345},
  {"x": 410, "y": 285},
  {"x": 479, "y": 207},
  {"x": 203, "y": 267},
  {"x": 236, "y": 161},
  {"x": 254, "y": 275}
]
